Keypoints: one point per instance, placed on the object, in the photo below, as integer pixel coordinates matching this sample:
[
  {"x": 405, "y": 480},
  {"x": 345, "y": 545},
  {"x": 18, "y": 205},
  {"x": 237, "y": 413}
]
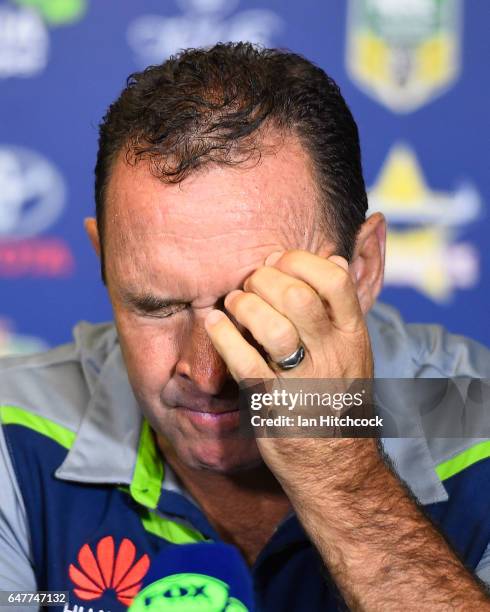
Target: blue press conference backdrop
[{"x": 414, "y": 73}]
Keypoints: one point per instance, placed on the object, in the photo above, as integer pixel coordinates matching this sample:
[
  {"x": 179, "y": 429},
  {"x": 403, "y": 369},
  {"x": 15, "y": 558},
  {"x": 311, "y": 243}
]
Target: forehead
[{"x": 217, "y": 214}]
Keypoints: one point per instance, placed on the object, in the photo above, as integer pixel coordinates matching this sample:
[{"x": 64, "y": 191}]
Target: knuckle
[
  {"x": 298, "y": 297},
  {"x": 232, "y": 303},
  {"x": 290, "y": 259},
  {"x": 340, "y": 281},
  {"x": 243, "y": 303},
  {"x": 256, "y": 279},
  {"x": 281, "y": 335}
]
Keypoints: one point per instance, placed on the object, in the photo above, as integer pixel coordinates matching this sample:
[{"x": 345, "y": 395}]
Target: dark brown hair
[{"x": 206, "y": 105}]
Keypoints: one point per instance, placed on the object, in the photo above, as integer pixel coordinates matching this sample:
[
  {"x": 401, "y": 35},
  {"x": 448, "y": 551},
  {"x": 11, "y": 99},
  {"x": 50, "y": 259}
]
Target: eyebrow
[{"x": 148, "y": 302}]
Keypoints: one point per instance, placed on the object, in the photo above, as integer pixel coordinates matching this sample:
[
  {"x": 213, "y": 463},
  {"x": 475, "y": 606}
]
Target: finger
[
  {"x": 242, "y": 359},
  {"x": 331, "y": 279},
  {"x": 294, "y": 299},
  {"x": 274, "y": 332}
]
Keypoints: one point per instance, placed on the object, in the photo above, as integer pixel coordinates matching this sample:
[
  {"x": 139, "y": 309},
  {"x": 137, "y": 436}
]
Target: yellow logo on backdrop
[
  {"x": 422, "y": 247},
  {"x": 404, "y": 52}
]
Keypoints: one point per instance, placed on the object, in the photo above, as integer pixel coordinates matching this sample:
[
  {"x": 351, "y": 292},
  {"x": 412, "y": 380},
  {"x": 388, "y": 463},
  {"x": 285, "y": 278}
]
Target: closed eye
[
  {"x": 169, "y": 311},
  {"x": 153, "y": 306}
]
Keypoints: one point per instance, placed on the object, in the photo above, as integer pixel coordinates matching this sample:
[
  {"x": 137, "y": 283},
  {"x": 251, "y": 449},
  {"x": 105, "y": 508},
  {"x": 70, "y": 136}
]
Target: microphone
[{"x": 202, "y": 577}]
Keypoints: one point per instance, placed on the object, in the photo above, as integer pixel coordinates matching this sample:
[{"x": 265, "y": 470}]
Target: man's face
[{"x": 173, "y": 252}]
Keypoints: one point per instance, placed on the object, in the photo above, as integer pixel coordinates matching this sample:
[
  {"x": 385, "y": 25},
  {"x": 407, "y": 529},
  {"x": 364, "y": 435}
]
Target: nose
[{"x": 200, "y": 363}]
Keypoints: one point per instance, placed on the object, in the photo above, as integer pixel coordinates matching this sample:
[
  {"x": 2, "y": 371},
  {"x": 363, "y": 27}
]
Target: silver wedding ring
[{"x": 293, "y": 360}]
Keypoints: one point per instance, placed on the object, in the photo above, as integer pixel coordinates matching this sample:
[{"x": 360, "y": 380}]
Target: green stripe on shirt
[
  {"x": 463, "y": 460},
  {"x": 148, "y": 475},
  {"x": 13, "y": 415},
  {"x": 170, "y": 530}
]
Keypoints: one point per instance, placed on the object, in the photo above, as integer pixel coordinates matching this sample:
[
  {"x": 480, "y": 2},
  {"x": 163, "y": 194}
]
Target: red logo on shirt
[{"x": 109, "y": 570}]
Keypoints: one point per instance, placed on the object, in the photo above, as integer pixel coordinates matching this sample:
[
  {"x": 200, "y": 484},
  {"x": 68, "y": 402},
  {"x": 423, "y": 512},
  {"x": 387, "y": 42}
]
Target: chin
[
  {"x": 225, "y": 453},
  {"x": 220, "y": 456}
]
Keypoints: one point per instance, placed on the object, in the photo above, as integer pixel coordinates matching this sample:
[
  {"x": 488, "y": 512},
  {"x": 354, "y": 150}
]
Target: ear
[
  {"x": 93, "y": 233},
  {"x": 368, "y": 261}
]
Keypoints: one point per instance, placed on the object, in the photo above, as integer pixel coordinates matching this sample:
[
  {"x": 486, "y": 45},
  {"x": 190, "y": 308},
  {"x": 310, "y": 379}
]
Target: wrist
[{"x": 338, "y": 476}]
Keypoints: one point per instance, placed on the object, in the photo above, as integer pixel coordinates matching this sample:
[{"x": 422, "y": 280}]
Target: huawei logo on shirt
[{"x": 108, "y": 570}]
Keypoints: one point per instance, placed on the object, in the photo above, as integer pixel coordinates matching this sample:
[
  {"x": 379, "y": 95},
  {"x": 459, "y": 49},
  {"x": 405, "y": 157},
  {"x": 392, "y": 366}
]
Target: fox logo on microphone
[
  {"x": 187, "y": 593},
  {"x": 204, "y": 577}
]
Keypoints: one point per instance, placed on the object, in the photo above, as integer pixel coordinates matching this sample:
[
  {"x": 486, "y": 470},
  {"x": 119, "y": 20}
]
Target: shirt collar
[
  {"x": 106, "y": 447},
  {"x": 411, "y": 456}
]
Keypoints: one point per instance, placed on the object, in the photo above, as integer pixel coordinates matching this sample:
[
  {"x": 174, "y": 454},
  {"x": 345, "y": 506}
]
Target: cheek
[{"x": 150, "y": 351}]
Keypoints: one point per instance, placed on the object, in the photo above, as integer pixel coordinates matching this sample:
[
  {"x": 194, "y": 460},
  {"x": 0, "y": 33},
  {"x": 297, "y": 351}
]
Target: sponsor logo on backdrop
[
  {"x": 32, "y": 199},
  {"x": 18, "y": 344},
  {"x": 24, "y": 34},
  {"x": 202, "y": 22},
  {"x": 404, "y": 53},
  {"x": 423, "y": 250},
  {"x": 24, "y": 42}
]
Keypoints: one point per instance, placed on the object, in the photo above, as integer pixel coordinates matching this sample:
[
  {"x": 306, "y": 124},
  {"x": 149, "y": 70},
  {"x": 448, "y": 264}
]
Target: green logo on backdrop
[{"x": 57, "y": 12}]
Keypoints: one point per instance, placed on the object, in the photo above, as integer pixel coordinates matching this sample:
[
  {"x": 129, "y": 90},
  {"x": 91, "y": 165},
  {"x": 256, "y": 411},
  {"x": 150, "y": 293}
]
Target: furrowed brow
[{"x": 148, "y": 302}]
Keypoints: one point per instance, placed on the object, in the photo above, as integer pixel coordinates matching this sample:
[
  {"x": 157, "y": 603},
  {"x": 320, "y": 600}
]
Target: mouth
[{"x": 212, "y": 419}]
